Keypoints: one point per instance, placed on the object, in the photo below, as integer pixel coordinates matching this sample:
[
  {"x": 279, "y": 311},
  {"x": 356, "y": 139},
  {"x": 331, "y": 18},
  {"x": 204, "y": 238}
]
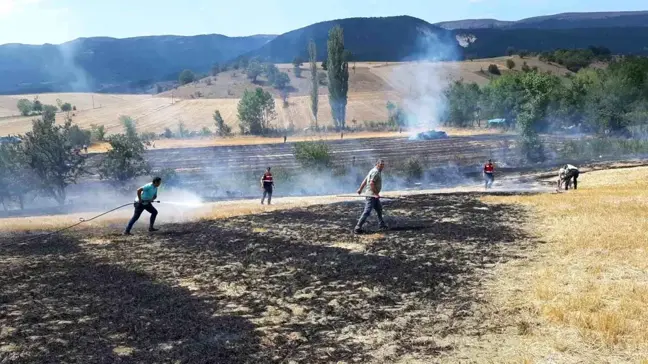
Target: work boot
[
  {"x": 358, "y": 230},
  {"x": 384, "y": 227},
  {"x": 152, "y": 229},
  {"x": 127, "y": 233}
]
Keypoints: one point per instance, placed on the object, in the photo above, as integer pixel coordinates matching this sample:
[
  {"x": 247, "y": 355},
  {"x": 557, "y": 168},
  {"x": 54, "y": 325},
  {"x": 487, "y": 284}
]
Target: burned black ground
[{"x": 293, "y": 285}]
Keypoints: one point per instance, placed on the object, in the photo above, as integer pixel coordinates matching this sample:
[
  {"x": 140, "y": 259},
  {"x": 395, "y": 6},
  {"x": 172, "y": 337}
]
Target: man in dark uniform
[{"x": 268, "y": 184}]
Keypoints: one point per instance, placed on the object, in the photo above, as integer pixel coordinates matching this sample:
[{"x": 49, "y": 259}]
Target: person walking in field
[
  {"x": 370, "y": 187},
  {"x": 145, "y": 197},
  {"x": 267, "y": 183},
  {"x": 489, "y": 176}
]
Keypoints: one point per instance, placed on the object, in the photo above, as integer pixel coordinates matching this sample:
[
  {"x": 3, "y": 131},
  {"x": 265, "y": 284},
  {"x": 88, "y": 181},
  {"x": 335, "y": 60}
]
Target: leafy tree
[
  {"x": 314, "y": 93},
  {"x": 182, "y": 130},
  {"x": 98, "y": 133},
  {"x": 297, "y": 63},
  {"x": 255, "y": 111},
  {"x": 124, "y": 161},
  {"x": 222, "y": 129},
  {"x": 523, "y": 53},
  {"x": 463, "y": 103},
  {"x": 205, "y": 131},
  {"x": 253, "y": 70},
  {"x": 37, "y": 106},
  {"x": 525, "y": 67},
  {"x": 16, "y": 177},
  {"x": 168, "y": 133},
  {"x": 494, "y": 69},
  {"x": 281, "y": 80},
  {"x": 510, "y": 64},
  {"x": 129, "y": 126},
  {"x": 271, "y": 72},
  {"x": 313, "y": 155},
  {"x": 50, "y": 156},
  {"x": 186, "y": 76},
  {"x": 510, "y": 51},
  {"x": 79, "y": 137},
  {"x": 66, "y": 107},
  {"x": 338, "y": 76},
  {"x": 25, "y": 106}
]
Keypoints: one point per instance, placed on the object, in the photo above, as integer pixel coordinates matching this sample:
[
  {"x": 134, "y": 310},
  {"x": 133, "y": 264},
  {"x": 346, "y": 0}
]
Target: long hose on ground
[{"x": 81, "y": 221}]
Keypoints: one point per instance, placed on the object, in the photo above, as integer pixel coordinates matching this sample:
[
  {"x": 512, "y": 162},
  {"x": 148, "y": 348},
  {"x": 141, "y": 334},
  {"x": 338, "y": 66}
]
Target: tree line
[
  {"x": 47, "y": 160},
  {"x": 256, "y": 109},
  {"x": 607, "y": 101}
]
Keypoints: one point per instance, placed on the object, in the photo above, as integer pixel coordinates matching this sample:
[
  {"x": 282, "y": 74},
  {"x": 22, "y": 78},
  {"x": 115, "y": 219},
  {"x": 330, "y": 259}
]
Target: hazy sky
[{"x": 57, "y": 21}]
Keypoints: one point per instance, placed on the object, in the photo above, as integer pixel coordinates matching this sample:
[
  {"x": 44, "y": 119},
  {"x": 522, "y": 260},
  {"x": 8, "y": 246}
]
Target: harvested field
[
  {"x": 281, "y": 286},
  {"x": 371, "y": 86},
  {"x": 582, "y": 296}
]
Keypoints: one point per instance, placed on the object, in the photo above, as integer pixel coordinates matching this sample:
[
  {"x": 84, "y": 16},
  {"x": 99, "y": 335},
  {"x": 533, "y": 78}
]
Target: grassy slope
[{"x": 371, "y": 86}]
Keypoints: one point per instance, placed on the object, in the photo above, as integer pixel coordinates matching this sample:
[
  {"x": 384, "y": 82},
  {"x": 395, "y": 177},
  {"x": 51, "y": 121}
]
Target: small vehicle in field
[{"x": 430, "y": 135}]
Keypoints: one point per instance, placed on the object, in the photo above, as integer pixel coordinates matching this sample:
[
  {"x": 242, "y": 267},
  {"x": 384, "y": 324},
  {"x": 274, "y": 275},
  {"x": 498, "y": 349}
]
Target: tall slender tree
[
  {"x": 338, "y": 76},
  {"x": 312, "y": 53}
]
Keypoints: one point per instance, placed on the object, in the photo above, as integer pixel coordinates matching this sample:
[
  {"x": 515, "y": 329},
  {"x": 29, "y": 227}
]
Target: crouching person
[{"x": 146, "y": 195}]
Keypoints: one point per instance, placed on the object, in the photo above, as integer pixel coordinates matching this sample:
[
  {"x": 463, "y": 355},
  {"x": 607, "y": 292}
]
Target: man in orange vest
[
  {"x": 489, "y": 177},
  {"x": 268, "y": 184}
]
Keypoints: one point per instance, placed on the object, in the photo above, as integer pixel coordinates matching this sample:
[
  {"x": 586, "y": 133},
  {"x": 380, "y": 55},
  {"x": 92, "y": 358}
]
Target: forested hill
[
  {"x": 495, "y": 42},
  {"x": 368, "y": 39},
  {"x": 94, "y": 63},
  {"x": 619, "y": 19}
]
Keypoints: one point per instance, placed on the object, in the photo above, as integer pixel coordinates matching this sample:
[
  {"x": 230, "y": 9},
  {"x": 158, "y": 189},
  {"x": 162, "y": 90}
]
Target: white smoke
[
  {"x": 77, "y": 78},
  {"x": 422, "y": 83}
]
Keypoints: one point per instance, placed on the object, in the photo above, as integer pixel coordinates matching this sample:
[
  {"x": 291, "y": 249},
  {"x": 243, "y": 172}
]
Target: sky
[{"x": 58, "y": 21}]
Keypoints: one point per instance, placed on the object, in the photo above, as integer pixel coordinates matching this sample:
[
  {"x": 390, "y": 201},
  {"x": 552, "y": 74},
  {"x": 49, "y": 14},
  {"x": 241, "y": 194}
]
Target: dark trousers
[
  {"x": 267, "y": 191},
  {"x": 569, "y": 176},
  {"x": 489, "y": 178},
  {"x": 139, "y": 208},
  {"x": 371, "y": 203}
]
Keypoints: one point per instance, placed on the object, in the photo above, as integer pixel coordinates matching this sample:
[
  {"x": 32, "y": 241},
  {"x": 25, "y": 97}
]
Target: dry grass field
[
  {"x": 371, "y": 86},
  {"x": 582, "y": 295}
]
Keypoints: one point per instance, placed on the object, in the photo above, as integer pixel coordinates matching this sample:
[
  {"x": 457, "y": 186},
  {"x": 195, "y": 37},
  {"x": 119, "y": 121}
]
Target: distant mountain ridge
[
  {"x": 557, "y": 21},
  {"x": 133, "y": 65},
  {"x": 102, "y": 62},
  {"x": 396, "y": 38}
]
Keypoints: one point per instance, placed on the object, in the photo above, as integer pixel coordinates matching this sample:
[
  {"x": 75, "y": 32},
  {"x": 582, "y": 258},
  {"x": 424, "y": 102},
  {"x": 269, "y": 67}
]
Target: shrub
[
  {"x": 313, "y": 154},
  {"x": 494, "y": 69}
]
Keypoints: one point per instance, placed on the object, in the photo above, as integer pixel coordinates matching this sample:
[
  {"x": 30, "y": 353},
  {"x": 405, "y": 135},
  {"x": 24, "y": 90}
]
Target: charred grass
[{"x": 281, "y": 286}]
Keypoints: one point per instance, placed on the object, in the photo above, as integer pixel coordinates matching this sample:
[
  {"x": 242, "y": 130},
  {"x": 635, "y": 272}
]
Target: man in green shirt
[
  {"x": 370, "y": 188},
  {"x": 145, "y": 197}
]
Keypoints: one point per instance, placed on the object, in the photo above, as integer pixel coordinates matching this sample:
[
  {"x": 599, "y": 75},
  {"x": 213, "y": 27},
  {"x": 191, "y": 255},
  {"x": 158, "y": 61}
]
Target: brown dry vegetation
[
  {"x": 371, "y": 86},
  {"x": 582, "y": 296}
]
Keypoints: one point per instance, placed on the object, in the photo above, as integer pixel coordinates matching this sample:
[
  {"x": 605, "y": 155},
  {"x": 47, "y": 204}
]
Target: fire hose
[{"x": 81, "y": 221}]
